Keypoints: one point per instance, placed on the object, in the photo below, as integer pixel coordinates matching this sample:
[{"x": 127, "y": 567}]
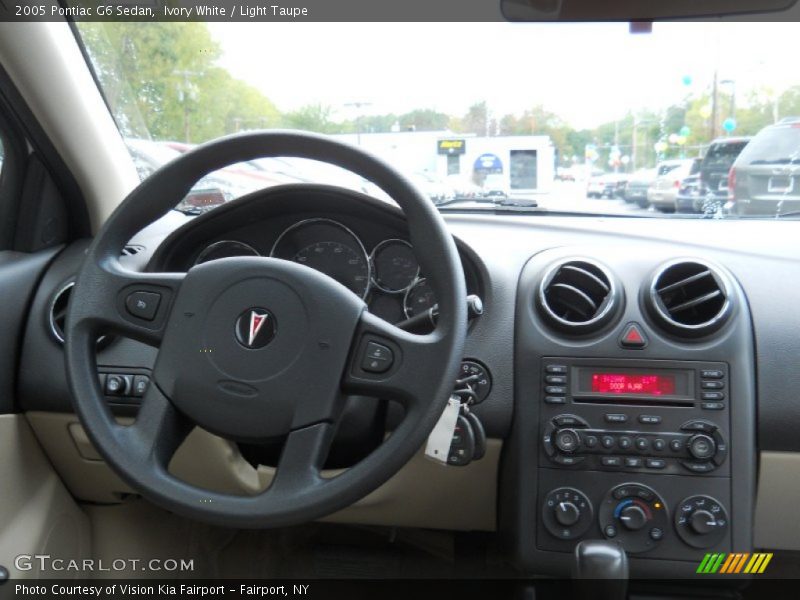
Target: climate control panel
[{"x": 635, "y": 515}]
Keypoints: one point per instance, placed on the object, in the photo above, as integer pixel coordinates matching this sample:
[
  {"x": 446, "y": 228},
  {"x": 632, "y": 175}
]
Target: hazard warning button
[{"x": 632, "y": 337}]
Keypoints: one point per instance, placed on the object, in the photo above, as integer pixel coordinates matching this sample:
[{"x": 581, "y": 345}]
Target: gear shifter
[{"x": 600, "y": 570}]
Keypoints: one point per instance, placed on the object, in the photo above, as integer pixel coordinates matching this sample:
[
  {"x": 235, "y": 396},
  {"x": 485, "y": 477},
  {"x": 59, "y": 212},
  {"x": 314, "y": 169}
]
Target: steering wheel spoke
[
  {"x": 158, "y": 431},
  {"x": 128, "y": 303},
  {"x": 302, "y": 458},
  {"x": 390, "y": 363}
]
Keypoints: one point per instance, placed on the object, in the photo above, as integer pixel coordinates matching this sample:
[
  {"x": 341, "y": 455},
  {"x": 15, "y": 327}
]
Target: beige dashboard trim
[
  {"x": 422, "y": 494},
  {"x": 777, "y": 500}
]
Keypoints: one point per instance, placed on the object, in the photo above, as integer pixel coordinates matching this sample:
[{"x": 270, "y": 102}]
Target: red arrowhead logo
[{"x": 256, "y": 322}]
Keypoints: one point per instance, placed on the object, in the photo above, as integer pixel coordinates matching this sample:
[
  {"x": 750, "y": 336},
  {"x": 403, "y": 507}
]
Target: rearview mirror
[{"x": 633, "y": 10}]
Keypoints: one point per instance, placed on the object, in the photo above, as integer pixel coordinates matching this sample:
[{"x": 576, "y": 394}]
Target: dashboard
[{"x": 637, "y": 385}]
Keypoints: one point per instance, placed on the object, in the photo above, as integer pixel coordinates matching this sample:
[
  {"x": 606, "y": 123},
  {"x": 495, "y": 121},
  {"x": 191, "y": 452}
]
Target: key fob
[
  {"x": 480, "y": 435},
  {"x": 462, "y": 447}
]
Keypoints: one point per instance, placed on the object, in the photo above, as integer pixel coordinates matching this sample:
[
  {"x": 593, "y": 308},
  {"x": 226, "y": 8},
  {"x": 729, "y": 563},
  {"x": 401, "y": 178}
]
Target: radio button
[
  {"x": 616, "y": 418},
  {"x": 712, "y": 396},
  {"x": 567, "y": 440},
  {"x": 701, "y": 447},
  {"x": 568, "y": 460},
  {"x": 676, "y": 445},
  {"x": 633, "y": 462},
  {"x": 569, "y": 421},
  {"x": 624, "y": 442},
  {"x": 555, "y": 389},
  {"x": 655, "y": 463},
  {"x": 659, "y": 444},
  {"x": 642, "y": 443},
  {"x": 711, "y": 374},
  {"x": 698, "y": 425},
  {"x": 554, "y": 399},
  {"x": 556, "y": 379},
  {"x": 695, "y": 467},
  {"x": 712, "y": 405},
  {"x": 607, "y": 441},
  {"x": 590, "y": 441},
  {"x": 712, "y": 385},
  {"x": 649, "y": 419},
  {"x": 556, "y": 369},
  {"x": 611, "y": 461}
]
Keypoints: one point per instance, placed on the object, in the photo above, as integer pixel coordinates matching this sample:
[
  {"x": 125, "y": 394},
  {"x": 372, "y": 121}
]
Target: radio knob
[
  {"x": 567, "y": 440},
  {"x": 567, "y": 513},
  {"x": 633, "y": 518},
  {"x": 702, "y": 447},
  {"x": 702, "y": 522}
]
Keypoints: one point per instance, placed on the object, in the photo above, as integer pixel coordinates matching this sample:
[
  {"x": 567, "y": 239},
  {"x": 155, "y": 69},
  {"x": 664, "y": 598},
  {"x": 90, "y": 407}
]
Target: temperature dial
[
  {"x": 567, "y": 513},
  {"x": 635, "y": 515},
  {"x": 701, "y": 521}
]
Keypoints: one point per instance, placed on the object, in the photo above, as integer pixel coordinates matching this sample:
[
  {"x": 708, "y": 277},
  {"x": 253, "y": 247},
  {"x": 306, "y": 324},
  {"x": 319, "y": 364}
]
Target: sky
[{"x": 587, "y": 73}]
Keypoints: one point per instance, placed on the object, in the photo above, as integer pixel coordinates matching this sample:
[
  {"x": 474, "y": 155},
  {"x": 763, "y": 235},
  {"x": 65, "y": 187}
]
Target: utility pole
[
  {"x": 358, "y": 106},
  {"x": 714, "y": 103}
]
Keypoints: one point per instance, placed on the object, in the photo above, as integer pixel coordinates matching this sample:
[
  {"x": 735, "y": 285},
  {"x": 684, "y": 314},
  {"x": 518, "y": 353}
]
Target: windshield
[{"x": 514, "y": 117}]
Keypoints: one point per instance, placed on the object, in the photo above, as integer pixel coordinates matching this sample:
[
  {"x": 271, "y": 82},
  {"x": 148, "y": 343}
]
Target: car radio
[{"x": 633, "y": 415}]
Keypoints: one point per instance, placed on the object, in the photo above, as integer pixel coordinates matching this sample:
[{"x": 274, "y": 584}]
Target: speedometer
[
  {"x": 224, "y": 249},
  {"x": 328, "y": 247},
  {"x": 394, "y": 266}
]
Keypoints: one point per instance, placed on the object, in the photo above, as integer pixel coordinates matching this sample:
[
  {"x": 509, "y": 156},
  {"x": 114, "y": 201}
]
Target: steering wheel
[{"x": 255, "y": 348}]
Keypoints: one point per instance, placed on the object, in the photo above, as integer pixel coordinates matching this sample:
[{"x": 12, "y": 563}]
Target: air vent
[
  {"x": 132, "y": 250},
  {"x": 689, "y": 298},
  {"x": 57, "y": 315},
  {"x": 577, "y": 296}
]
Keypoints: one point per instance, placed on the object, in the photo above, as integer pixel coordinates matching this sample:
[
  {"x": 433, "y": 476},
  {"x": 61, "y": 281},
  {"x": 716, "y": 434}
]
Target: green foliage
[{"x": 161, "y": 79}]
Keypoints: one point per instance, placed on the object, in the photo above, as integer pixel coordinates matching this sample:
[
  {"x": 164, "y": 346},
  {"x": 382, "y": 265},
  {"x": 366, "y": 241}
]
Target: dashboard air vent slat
[
  {"x": 577, "y": 296},
  {"x": 689, "y": 298}
]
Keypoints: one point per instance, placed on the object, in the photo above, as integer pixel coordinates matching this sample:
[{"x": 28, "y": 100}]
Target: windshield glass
[{"x": 515, "y": 117}]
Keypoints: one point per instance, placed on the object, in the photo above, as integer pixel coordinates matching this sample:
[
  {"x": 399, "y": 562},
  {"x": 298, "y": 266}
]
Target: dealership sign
[
  {"x": 488, "y": 163},
  {"x": 451, "y": 146}
]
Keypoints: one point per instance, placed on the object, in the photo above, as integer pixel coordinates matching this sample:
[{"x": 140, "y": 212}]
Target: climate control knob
[
  {"x": 633, "y": 517},
  {"x": 701, "y": 521},
  {"x": 567, "y": 513}
]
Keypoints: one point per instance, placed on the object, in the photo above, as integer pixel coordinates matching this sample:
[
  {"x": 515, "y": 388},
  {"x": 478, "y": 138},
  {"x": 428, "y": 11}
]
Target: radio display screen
[{"x": 640, "y": 384}]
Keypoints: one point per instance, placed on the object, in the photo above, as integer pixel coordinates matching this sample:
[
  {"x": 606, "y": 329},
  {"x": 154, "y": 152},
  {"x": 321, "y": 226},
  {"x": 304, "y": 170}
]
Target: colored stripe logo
[{"x": 736, "y": 562}]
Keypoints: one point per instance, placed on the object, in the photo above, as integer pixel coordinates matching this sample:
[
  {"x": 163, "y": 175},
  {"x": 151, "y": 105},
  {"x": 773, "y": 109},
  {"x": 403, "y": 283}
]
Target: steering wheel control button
[
  {"x": 118, "y": 385},
  {"x": 377, "y": 358},
  {"x": 143, "y": 305},
  {"x": 567, "y": 513},
  {"x": 255, "y": 328},
  {"x": 140, "y": 383},
  {"x": 701, "y": 521},
  {"x": 635, "y": 515},
  {"x": 633, "y": 337}
]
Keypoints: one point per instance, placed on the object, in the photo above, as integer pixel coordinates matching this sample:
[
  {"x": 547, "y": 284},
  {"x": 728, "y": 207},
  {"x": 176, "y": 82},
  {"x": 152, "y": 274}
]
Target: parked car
[
  {"x": 607, "y": 185},
  {"x": 765, "y": 178},
  {"x": 636, "y": 188},
  {"x": 662, "y": 192},
  {"x": 463, "y": 188},
  {"x": 495, "y": 187},
  {"x": 433, "y": 187},
  {"x": 707, "y": 192}
]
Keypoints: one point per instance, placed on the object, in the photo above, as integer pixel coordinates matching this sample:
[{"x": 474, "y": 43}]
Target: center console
[{"x": 637, "y": 428}]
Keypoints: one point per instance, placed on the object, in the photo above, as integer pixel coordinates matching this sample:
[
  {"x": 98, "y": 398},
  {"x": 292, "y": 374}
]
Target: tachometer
[
  {"x": 225, "y": 249},
  {"x": 330, "y": 248},
  {"x": 419, "y": 298},
  {"x": 394, "y": 266}
]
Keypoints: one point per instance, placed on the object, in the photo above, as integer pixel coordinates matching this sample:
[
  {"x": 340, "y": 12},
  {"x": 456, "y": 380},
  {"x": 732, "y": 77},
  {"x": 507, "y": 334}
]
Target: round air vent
[
  {"x": 689, "y": 298},
  {"x": 577, "y": 296},
  {"x": 57, "y": 315}
]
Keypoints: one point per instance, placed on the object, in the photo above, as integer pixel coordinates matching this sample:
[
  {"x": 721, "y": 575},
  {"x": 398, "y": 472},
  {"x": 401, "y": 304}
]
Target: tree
[
  {"x": 161, "y": 80},
  {"x": 312, "y": 117},
  {"x": 476, "y": 120}
]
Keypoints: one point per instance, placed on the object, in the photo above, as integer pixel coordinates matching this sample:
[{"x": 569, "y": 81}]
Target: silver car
[{"x": 663, "y": 191}]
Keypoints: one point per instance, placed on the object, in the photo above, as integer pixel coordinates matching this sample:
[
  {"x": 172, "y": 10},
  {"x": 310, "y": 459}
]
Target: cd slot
[{"x": 632, "y": 401}]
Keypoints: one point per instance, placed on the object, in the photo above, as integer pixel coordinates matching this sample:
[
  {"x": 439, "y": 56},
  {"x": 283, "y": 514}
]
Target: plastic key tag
[{"x": 438, "y": 446}]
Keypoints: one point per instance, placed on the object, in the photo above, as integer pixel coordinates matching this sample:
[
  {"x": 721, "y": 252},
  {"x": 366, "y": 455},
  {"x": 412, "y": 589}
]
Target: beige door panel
[{"x": 37, "y": 513}]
